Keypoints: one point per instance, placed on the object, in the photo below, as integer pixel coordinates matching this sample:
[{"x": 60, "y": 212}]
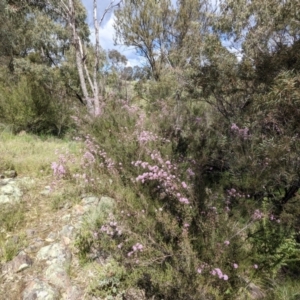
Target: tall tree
[
  {"x": 164, "y": 34},
  {"x": 144, "y": 25},
  {"x": 87, "y": 78}
]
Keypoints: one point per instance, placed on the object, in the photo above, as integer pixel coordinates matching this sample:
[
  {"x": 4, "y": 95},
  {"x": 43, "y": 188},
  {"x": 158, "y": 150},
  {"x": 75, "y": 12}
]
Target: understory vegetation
[{"x": 199, "y": 149}]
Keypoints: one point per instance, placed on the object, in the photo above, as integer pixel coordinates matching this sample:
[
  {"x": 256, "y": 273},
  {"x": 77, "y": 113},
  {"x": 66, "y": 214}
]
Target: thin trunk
[
  {"x": 96, "y": 66},
  {"x": 79, "y": 57}
]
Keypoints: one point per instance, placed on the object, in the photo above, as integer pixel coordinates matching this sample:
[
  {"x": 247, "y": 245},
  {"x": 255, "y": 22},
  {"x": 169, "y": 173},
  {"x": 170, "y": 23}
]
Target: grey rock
[
  {"x": 46, "y": 191},
  {"x": 90, "y": 200},
  {"x": 51, "y": 237},
  {"x": 67, "y": 231},
  {"x": 9, "y": 192},
  {"x": 57, "y": 275},
  {"x": 39, "y": 290},
  {"x": 106, "y": 205},
  {"x": 10, "y": 174},
  {"x": 54, "y": 253},
  {"x": 21, "y": 262},
  {"x": 6, "y": 181},
  {"x": 66, "y": 218},
  {"x": 30, "y": 232},
  {"x": 35, "y": 245}
]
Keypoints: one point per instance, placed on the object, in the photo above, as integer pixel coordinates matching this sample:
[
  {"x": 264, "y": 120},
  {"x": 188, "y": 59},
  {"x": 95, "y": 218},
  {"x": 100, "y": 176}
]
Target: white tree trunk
[
  {"x": 92, "y": 102},
  {"x": 79, "y": 58},
  {"x": 96, "y": 63}
]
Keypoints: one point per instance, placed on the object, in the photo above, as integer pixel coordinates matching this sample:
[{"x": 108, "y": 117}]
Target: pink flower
[
  {"x": 184, "y": 200},
  {"x": 225, "y": 277},
  {"x": 226, "y": 243},
  {"x": 257, "y": 215},
  {"x": 54, "y": 166},
  {"x": 235, "y": 265},
  {"x": 199, "y": 270},
  {"x": 184, "y": 185},
  {"x": 255, "y": 266},
  {"x": 234, "y": 127}
]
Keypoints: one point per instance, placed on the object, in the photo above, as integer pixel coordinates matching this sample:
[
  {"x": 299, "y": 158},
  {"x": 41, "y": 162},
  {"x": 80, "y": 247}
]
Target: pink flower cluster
[
  {"x": 235, "y": 194},
  {"x": 111, "y": 229},
  {"x": 147, "y": 136},
  {"x": 257, "y": 215},
  {"x": 243, "y": 133},
  {"x": 129, "y": 108},
  {"x": 273, "y": 218},
  {"x": 219, "y": 273},
  {"x": 214, "y": 272},
  {"x": 92, "y": 150},
  {"x": 164, "y": 175},
  {"x": 58, "y": 170},
  {"x": 190, "y": 172},
  {"x": 136, "y": 248}
]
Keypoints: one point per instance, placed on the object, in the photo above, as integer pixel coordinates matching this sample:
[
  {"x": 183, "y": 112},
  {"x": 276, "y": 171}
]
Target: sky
[{"x": 107, "y": 32}]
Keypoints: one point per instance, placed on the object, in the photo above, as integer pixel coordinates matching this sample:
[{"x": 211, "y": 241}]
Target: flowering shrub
[
  {"x": 163, "y": 174},
  {"x": 180, "y": 216}
]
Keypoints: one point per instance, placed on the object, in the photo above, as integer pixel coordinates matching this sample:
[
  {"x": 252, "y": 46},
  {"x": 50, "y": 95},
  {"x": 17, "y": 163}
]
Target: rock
[
  {"x": 46, "y": 191},
  {"x": 54, "y": 253},
  {"x": 66, "y": 218},
  {"x": 106, "y": 204},
  {"x": 57, "y": 275},
  {"x": 79, "y": 209},
  {"x": 10, "y": 174},
  {"x": 30, "y": 232},
  {"x": 73, "y": 293},
  {"x": 90, "y": 200},
  {"x": 21, "y": 262},
  {"x": 67, "y": 231},
  {"x": 36, "y": 245},
  {"x": 51, "y": 237},
  {"x": 9, "y": 192},
  {"x": 39, "y": 290}
]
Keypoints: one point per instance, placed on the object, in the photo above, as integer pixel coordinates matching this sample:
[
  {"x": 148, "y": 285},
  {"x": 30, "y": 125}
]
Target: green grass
[
  {"x": 30, "y": 155},
  {"x": 288, "y": 290}
]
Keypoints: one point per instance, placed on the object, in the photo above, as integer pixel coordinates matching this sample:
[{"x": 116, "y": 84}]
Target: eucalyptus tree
[
  {"x": 89, "y": 78},
  {"x": 36, "y": 43},
  {"x": 166, "y": 35},
  {"x": 145, "y": 25}
]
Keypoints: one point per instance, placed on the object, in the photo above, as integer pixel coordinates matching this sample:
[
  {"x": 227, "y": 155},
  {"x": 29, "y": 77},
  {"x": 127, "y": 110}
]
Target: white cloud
[
  {"x": 106, "y": 32},
  {"x": 106, "y": 36}
]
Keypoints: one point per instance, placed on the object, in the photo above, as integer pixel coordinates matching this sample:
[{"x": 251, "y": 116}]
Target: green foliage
[
  {"x": 221, "y": 220},
  {"x": 28, "y": 105},
  {"x": 108, "y": 281},
  {"x": 11, "y": 218}
]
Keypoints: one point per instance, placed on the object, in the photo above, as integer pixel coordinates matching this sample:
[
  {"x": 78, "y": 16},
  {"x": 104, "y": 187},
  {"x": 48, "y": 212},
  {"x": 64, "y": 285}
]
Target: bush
[{"x": 27, "y": 104}]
